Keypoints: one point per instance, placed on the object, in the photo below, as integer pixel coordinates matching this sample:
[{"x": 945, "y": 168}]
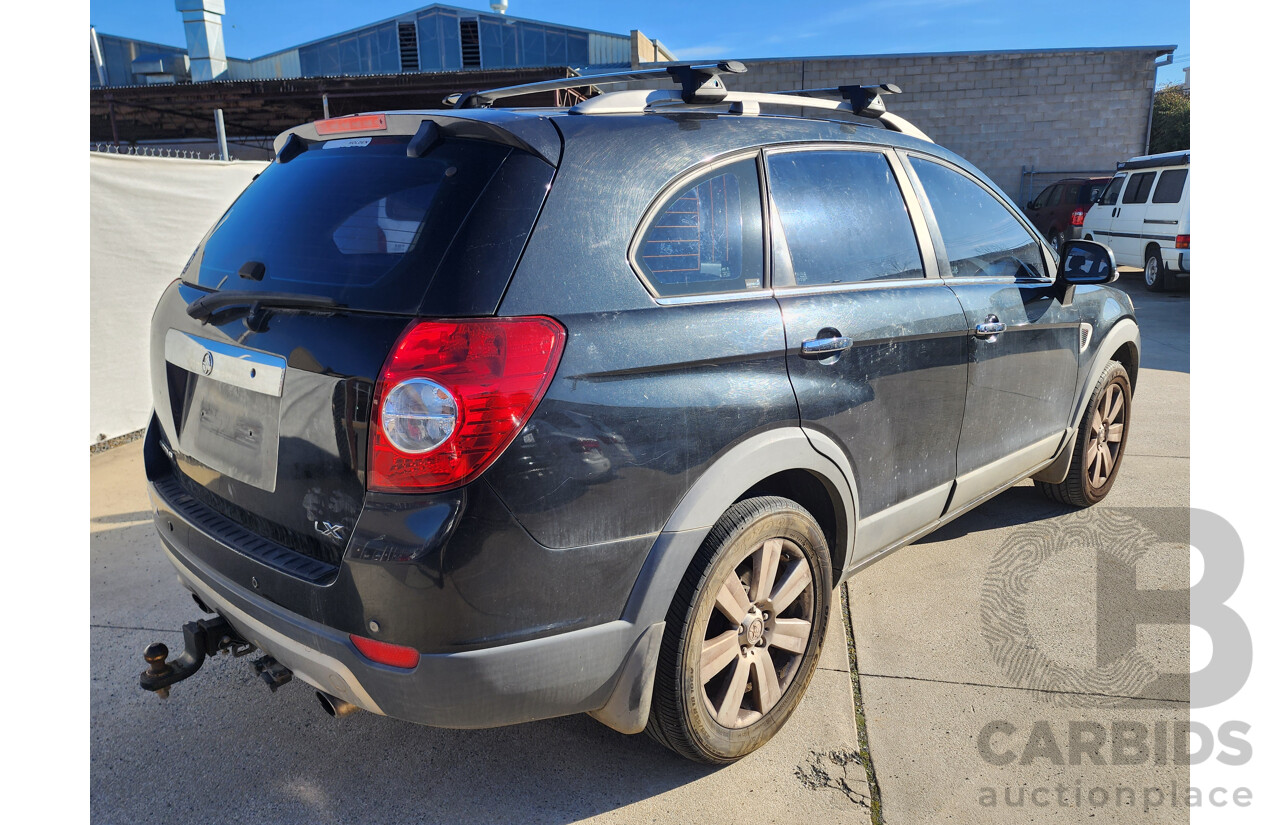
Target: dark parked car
[
  {"x": 479, "y": 416},
  {"x": 1059, "y": 210}
]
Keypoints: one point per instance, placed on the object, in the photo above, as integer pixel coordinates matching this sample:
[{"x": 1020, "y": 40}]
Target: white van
[{"x": 1149, "y": 224}]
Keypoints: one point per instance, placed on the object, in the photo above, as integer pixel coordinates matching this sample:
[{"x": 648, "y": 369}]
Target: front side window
[
  {"x": 843, "y": 217},
  {"x": 1112, "y": 192},
  {"x": 1139, "y": 187},
  {"x": 981, "y": 236},
  {"x": 707, "y": 237}
]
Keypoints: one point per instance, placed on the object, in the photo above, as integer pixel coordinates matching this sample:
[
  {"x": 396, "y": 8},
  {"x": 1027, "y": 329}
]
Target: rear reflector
[
  {"x": 386, "y": 654},
  {"x": 453, "y": 394},
  {"x": 1182, "y": 242},
  {"x": 354, "y": 123}
]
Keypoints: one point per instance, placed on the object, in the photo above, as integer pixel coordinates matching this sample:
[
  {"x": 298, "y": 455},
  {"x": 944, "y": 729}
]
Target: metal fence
[
  {"x": 152, "y": 151},
  {"x": 1029, "y": 188}
]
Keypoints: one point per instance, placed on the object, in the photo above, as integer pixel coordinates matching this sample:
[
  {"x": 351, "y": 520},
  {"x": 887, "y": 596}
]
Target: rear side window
[
  {"x": 1139, "y": 187},
  {"x": 1070, "y": 194},
  {"x": 981, "y": 236},
  {"x": 1112, "y": 193},
  {"x": 843, "y": 217},
  {"x": 707, "y": 238},
  {"x": 1169, "y": 187},
  {"x": 1048, "y": 197},
  {"x": 352, "y": 219}
]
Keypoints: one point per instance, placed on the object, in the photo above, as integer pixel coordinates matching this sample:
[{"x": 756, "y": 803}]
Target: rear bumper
[
  {"x": 556, "y": 675},
  {"x": 1177, "y": 261}
]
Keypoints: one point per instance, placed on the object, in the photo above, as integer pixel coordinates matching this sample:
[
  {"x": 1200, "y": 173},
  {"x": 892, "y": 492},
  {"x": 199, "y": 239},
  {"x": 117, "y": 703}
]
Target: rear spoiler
[{"x": 531, "y": 133}]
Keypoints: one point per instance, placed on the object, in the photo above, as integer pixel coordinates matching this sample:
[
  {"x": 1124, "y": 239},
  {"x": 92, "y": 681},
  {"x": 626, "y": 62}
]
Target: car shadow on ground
[{"x": 1017, "y": 505}]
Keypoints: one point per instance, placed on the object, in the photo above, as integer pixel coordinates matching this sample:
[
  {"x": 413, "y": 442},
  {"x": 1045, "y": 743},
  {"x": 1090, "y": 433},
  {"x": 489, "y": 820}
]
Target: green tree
[{"x": 1170, "y": 121}]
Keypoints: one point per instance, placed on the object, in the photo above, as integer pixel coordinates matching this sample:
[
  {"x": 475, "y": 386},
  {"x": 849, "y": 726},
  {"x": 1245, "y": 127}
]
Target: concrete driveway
[
  {"x": 992, "y": 625},
  {"x": 224, "y": 749}
]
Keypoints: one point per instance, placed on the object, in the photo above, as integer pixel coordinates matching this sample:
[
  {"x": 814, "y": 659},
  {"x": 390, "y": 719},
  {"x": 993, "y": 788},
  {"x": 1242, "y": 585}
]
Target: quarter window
[
  {"x": 1169, "y": 187},
  {"x": 707, "y": 238},
  {"x": 981, "y": 236},
  {"x": 843, "y": 217},
  {"x": 1139, "y": 187}
]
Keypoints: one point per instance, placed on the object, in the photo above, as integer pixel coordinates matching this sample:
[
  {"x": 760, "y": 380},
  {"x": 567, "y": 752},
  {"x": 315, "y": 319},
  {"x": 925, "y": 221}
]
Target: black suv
[{"x": 477, "y": 416}]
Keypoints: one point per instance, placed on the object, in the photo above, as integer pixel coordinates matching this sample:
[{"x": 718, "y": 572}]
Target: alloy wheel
[
  {"x": 756, "y": 636},
  {"x": 1106, "y": 436}
]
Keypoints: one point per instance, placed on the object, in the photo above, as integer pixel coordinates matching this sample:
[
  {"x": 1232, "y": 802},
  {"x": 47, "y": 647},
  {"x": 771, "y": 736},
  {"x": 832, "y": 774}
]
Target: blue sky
[{"x": 743, "y": 28}]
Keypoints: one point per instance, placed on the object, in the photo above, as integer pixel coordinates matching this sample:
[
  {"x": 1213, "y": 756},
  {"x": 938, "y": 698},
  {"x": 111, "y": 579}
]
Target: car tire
[
  {"x": 1056, "y": 241},
  {"x": 1100, "y": 442},
  {"x": 1153, "y": 271},
  {"x": 734, "y": 662}
]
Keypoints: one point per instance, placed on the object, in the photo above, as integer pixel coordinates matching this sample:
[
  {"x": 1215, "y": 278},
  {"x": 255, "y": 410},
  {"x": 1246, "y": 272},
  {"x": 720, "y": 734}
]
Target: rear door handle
[
  {"x": 820, "y": 348},
  {"x": 989, "y": 328}
]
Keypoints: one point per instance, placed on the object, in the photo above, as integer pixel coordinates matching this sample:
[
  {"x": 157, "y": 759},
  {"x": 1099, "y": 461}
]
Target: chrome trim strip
[
  {"x": 226, "y": 363},
  {"x": 856, "y": 286}
]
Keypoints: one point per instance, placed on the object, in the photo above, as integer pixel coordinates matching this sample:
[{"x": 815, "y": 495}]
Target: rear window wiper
[{"x": 202, "y": 308}]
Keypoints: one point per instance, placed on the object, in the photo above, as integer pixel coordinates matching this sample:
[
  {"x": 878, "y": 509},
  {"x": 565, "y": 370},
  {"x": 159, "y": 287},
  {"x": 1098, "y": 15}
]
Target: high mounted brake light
[
  {"x": 453, "y": 394},
  {"x": 353, "y": 123}
]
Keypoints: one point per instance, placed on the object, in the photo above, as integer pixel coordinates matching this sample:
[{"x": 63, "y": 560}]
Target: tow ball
[{"x": 203, "y": 638}]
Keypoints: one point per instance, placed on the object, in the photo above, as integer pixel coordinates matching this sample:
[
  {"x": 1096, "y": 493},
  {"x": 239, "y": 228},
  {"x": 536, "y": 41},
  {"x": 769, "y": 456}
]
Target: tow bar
[{"x": 203, "y": 637}]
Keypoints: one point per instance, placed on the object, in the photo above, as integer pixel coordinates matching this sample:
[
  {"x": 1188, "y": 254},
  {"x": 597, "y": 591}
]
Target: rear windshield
[{"x": 353, "y": 219}]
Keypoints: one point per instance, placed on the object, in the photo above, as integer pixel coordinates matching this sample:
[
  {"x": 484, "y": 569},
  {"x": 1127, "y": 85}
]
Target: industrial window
[
  {"x": 1169, "y": 187},
  {"x": 981, "y": 236},
  {"x": 843, "y": 217},
  {"x": 1139, "y": 187},
  {"x": 707, "y": 238}
]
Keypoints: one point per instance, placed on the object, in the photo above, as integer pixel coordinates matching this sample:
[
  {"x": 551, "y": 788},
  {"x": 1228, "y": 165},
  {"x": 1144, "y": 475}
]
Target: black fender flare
[{"x": 731, "y": 474}]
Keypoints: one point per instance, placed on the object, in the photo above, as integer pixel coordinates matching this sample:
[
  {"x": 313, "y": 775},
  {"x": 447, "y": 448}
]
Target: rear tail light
[
  {"x": 1182, "y": 242},
  {"x": 453, "y": 394},
  {"x": 386, "y": 654},
  {"x": 1077, "y": 217}
]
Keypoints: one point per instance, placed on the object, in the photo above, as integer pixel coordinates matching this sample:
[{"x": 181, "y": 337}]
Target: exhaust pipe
[{"x": 334, "y": 706}]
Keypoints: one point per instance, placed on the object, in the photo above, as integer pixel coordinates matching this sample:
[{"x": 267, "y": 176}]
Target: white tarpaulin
[{"x": 146, "y": 215}]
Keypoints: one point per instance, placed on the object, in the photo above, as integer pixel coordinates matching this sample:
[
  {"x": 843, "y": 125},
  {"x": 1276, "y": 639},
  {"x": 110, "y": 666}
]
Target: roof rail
[
  {"x": 868, "y": 101},
  {"x": 699, "y": 83}
]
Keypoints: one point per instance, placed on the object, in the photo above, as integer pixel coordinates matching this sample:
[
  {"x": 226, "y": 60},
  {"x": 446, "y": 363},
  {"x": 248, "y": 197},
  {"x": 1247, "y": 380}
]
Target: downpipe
[{"x": 334, "y": 706}]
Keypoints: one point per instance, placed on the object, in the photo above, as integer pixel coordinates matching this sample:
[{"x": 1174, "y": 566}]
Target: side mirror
[
  {"x": 1031, "y": 205},
  {"x": 1087, "y": 262}
]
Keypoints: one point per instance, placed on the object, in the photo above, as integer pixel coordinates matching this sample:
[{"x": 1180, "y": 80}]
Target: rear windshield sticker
[{"x": 348, "y": 142}]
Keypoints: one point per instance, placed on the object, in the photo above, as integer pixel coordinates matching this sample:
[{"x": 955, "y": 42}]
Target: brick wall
[{"x": 1052, "y": 110}]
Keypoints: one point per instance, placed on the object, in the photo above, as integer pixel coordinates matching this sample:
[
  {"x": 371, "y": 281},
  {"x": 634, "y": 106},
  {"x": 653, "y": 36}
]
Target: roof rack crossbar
[
  {"x": 868, "y": 104},
  {"x": 699, "y": 83}
]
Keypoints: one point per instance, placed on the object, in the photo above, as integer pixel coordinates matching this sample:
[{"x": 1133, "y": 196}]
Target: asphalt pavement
[{"x": 935, "y": 666}]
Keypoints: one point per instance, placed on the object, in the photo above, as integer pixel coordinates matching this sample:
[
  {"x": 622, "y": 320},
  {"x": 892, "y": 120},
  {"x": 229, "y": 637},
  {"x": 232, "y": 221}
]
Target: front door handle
[
  {"x": 819, "y": 348},
  {"x": 989, "y": 329}
]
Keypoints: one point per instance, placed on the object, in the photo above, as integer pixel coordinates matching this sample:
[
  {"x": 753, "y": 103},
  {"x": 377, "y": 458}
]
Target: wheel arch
[
  {"x": 1122, "y": 343},
  {"x": 781, "y": 462}
]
